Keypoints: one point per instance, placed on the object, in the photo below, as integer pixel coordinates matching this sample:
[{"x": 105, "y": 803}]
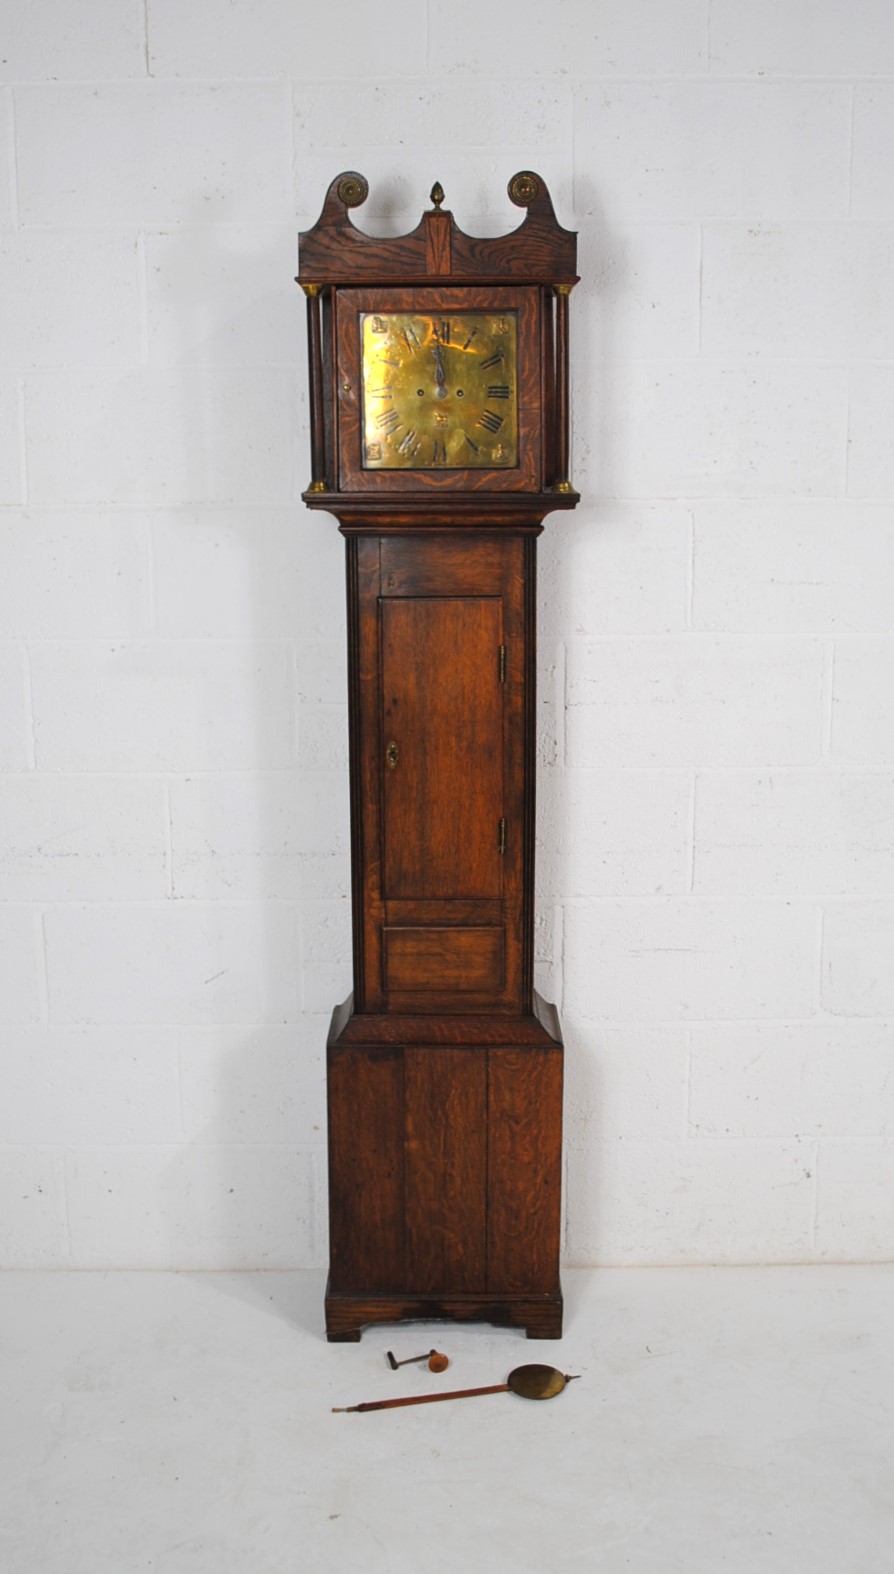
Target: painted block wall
[{"x": 716, "y": 872}]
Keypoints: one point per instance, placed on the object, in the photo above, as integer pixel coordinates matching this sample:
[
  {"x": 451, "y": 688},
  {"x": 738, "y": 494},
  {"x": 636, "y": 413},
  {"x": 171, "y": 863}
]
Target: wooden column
[
  {"x": 315, "y": 388},
  {"x": 562, "y": 482}
]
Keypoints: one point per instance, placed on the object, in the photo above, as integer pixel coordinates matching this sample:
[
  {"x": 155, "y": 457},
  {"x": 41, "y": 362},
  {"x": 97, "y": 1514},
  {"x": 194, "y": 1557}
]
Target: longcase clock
[{"x": 439, "y": 440}]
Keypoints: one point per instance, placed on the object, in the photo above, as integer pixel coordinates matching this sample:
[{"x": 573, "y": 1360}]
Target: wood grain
[
  {"x": 315, "y": 388},
  {"x": 366, "y": 774},
  {"x": 524, "y": 1184},
  {"x": 444, "y": 566},
  {"x": 366, "y": 1169},
  {"x": 348, "y": 1312},
  {"x": 351, "y": 304},
  {"x": 442, "y": 705},
  {"x": 438, "y": 245},
  {"x": 427, "y": 616},
  {"x": 539, "y": 249},
  {"x": 540, "y": 1028},
  {"x": 446, "y": 1135},
  {"x": 464, "y": 961}
]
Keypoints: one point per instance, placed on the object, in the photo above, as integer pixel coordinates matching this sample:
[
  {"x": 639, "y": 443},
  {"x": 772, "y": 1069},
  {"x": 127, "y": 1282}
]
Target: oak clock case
[{"x": 438, "y": 366}]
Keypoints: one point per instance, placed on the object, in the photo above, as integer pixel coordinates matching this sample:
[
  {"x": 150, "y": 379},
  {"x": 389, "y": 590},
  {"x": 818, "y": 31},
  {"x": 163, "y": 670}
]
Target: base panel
[{"x": 347, "y": 1314}]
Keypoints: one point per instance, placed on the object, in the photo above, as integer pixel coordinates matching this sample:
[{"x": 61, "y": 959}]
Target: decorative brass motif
[
  {"x": 392, "y": 755},
  {"x": 523, "y": 188},
  {"x": 311, "y": 289},
  {"x": 436, "y": 195},
  {"x": 563, "y": 486},
  {"x": 317, "y": 486},
  {"x": 440, "y": 390},
  {"x": 353, "y": 189}
]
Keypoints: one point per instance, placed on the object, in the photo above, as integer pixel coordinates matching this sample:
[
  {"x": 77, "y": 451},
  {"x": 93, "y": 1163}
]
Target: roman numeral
[
  {"x": 387, "y": 420},
  {"x": 408, "y": 444},
  {"x": 498, "y": 391},
  {"x": 489, "y": 421},
  {"x": 472, "y": 335},
  {"x": 439, "y": 457},
  {"x": 474, "y": 446},
  {"x": 410, "y": 337},
  {"x": 493, "y": 360},
  {"x": 388, "y": 393},
  {"x": 385, "y": 361},
  {"x": 442, "y": 330}
]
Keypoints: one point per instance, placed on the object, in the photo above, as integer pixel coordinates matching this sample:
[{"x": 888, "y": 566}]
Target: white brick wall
[
  {"x": 168, "y": 705},
  {"x": 75, "y": 1085},
  {"x": 694, "y": 701},
  {"x": 44, "y": 41},
  {"x": 16, "y": 748},
  {"x": 870, "y": 440},
  {"x": 43, "y": 272},
  {"x": 11, "y": 477},
  {"x": 871, "y": 193},
  {"x": 152, "y": 437},
  {"x": 716, "y": 716},
  {"x": 769, "y": 39},
  {"x": 22, "y": 966},
  {"x": 272, "y": 834},
  {"x": 221, "y": 961},
  {"x": 800, "y": 291},
  {"x": 74, "y": 574},
  {"x": 82, "y": 838},
  {"x": 152, "y": 153},
  {"x": 712, "y": 150},
  {"x": 816, "y": 568}
]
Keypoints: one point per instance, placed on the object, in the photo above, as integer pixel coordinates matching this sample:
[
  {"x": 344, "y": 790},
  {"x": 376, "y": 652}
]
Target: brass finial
[{"x": 437, "y": 194}]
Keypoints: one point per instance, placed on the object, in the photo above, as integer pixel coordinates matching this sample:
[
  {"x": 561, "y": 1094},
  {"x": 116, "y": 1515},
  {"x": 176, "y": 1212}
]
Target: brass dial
[{"x": 440, "y": 390}]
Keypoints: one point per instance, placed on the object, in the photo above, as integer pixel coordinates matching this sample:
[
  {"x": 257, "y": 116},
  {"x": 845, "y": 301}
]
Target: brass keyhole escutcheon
[{"x": 392, "y": 755}]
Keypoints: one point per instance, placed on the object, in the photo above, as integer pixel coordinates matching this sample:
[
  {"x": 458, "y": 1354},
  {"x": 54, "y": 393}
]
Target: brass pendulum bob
[{"x": 529, "y": 1382}]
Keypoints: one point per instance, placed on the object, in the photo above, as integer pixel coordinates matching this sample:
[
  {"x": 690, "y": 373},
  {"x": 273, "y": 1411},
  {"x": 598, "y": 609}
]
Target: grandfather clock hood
[
  {"x": 437, "y": 250},
  {"x": 438, "y": 383},
  {"x": 537, "y": 260}
]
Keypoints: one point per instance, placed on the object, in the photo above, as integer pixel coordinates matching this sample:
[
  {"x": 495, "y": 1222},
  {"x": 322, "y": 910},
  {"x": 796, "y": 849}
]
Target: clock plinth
[
  {"x": 438, "y": 409},
  {"x": 453, "y": 1191}
]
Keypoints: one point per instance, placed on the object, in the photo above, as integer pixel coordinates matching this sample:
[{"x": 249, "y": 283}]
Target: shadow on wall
[
  {"x": 259, "y": 831},
  {"x": 603, "y": 270}
]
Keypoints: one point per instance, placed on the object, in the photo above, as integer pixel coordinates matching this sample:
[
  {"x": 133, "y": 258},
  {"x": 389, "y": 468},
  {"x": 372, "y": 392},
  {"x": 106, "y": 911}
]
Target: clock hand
[{"x": 440, "y": 378}]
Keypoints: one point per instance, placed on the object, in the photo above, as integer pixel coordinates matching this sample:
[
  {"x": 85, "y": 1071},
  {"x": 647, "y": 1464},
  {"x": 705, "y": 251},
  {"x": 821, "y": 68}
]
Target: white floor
[{"x": 731, "y": 1421}]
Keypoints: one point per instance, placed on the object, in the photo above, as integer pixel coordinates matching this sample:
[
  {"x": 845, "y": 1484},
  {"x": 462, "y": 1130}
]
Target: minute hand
[{"x": 440, "y": 376}]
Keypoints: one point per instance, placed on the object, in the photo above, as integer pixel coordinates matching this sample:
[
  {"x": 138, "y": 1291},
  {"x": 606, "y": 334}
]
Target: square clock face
[{"x": 440, "y": 390}]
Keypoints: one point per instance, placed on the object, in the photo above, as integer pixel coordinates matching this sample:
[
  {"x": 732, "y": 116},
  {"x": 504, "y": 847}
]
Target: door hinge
[
  {"x": 501, "y": 841},
  {"x": 502, "y": 664}
]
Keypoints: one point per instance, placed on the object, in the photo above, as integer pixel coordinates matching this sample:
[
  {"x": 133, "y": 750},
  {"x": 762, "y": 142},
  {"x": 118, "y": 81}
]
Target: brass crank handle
[
  {"x": 392, "y": 755},
  {"x": 436, "y": 1361}
]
